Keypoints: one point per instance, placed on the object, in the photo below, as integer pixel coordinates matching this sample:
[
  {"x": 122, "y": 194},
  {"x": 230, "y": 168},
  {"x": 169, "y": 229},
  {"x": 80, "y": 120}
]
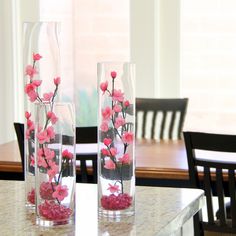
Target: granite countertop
[{"x": 159, "y": 211}]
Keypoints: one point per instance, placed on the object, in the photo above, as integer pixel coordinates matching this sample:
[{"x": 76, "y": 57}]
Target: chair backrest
[
  {"x": 215, "y": 173},
  {"x": 87, "y": 135},
  {"x": 173, "y": 110},
  {"x": 19, "y": 129}
]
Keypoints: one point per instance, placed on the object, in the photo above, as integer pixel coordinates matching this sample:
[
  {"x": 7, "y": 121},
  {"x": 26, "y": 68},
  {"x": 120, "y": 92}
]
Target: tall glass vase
[
  {"x": 116, "y": 129},
  {"x": 41, "y": 64},
  {"x": 55, "y": 164}
]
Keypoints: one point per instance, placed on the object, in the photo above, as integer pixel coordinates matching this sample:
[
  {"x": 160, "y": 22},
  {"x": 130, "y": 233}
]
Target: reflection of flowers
[{"x": 116, "y": 135}]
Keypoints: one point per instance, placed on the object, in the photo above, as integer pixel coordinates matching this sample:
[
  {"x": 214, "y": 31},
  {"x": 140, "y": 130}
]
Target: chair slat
[
  {"x": 232, "y": 193},
  {"x": 208, "y": 193},
  {"x": 144, "y": 124},
  {"x": 163, "y": 122},
  {"x": 173, "y": 117},
  {"x": 220, "y": 193},
  {"x": 153, "y": 124}
]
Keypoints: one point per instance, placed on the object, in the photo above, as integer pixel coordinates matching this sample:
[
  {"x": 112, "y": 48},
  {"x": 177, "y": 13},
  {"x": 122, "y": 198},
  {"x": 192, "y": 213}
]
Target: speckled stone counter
[{"x": 159, "y": 211}]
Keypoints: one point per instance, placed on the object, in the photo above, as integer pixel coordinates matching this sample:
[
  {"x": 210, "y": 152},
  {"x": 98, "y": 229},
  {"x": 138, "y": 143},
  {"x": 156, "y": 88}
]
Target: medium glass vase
[
  {"x": 55, "y": 163},
  {"x": 116, "y": 137},
  {"x": 41, "y": 65}
]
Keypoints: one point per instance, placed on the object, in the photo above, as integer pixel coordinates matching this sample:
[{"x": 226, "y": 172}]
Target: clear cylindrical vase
[
  {"x": 55, "y": 172},
  {"x": 116, "y": 137},
  {"x": 41, "y": 62}
]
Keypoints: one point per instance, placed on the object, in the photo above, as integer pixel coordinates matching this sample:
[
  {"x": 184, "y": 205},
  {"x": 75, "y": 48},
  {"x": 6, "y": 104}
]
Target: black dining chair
[
  {"x": 216, "y": 176},
  {"x": 88, "y": 172},
  {"x": 19, "y": 129},
  {"x": 173, "y": 110}
]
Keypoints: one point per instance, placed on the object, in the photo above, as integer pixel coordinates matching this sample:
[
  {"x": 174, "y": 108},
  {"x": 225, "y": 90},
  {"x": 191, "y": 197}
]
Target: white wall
[{"x": 155, "y": 40}]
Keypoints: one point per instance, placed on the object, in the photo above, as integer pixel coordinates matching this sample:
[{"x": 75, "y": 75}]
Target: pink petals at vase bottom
[
  {"x": 53, "y": 211},
  {"x": 31, "y": 196},
  {"x": 113, "y": 202}
]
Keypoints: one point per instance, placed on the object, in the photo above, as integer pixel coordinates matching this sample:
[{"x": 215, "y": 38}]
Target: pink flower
[
  {"x": 113, "y": 151},
  {"x": 117, "y": 108},
  {"x": 36, "y": 57},
  {"x": 113, "y": 188},
  {"x": 50, "y": 132},
  {"x": 103, "y": 86},
  {"x": 30, "y": 71},
  {"x": 31, "y": 196},
  {"x": 106, "y": 113},
  {"x": 66, "y": 154},
  {"x": 32, "y": 161},
  {"x": 128, "y": 137},
  {"x": 109, "y": 164},
  {"x": 117, "y": 95},
  {"x": 51, "y": 115},
  {"x": 43, "y": 137},
  {"x": 27, "y": 115},
  {"x": 104, "y": 126},
  {"x": 37, "y": 82},
  {"x": 126, "y": 103},
  {"x": 61, "y": 192},
  {"x": 105, "y": 152},
  {"x": 42, "y": 162},
  {"x": 125, "y": 159},
  {"x": 57, "y": 80},
  {"x": 107, "y": 141},
  {"x": 47, "y": 96},
  {"x": 29, "y": 88},
  {"x": 113, "y": 74},
  {"x": 27, "y": 134},
  {"x": 52, "y": 171},
  {"x": 33, "y": 95},
  {"x": 120, "y": 121},
  {"x": 46, "y": 190},
  {"x": 49, "y": 154}
]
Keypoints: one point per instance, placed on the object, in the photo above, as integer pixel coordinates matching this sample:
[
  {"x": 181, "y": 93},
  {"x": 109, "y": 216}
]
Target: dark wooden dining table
[{"x": 162, "y": 163}]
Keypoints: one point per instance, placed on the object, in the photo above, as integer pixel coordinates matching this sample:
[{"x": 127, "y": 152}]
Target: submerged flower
[
  {"x": 107, "y": 141},
  {"x": 126, "y": 103},
  {"x": 61, "y": 192},
  {"x": 128, "y": 137},
  {"x": 47, "y": 96},
  {"x": 103, "y": 86},
  {"x": 117, "y": 108},
  {"x": 117, "y": 95},
  {"x": 104, "y": 126},
  {"x": 30, "y": 71},
  {"x": 113, "y": 188},
  {"x": 27, "y": 115},
  {"x": 51, "y": 115},
  {"x": 53, "y": 171},
  {"x": 66, "y": 154},
  {"x": 125, "y": 159},
  {"x": 46, "y": 190},
  {"x": 120, "y": 121},
  {"x": 109, "y": 164},
  {"x": 107, "y": 113},
  {"x": 113, "y": 74},
  {"x": 43, "y": 137}
]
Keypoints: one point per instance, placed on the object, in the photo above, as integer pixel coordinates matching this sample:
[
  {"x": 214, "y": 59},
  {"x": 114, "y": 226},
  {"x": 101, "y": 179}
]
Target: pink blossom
[
  {"x": 105, "y": 152},
  {"x": 32, "y": 160},
  {"x": 61, "y": 192},
  {"x": 113, "y": 188},
  {"x": 125, "y": 159},
  {"x": 52, "y": 172},
  {"x": 126, "y": 103},
  {"x": 47, "y": 96},
  {"x": 29, "y": 88},
  {"x": 40, "y": 152},
  {"x": 41, "y": 162},
  {"x": 36, "y": 57},
  {"x": 49, "y": 154},
  {"x": 43, "y": 137},
  {"x": 117, "y": 95},
  {"x": 107, "y": 113},
  {"x": 117, "y": 108},
  {"x": 31, "y": 196},
  {"x": 46, "y": 190},
  {"x": 113, "y": 151},
  {"x": 66, "y": 154},
  {"x": 33, "y": 95},
  {"x": 30, "y": 71},
  {"x": 113, "y": 74},
  {"x": 103, "y": 86},
  {"x": 51, "y": 115},
  {"x": 27, "y": 115},
  {"x": 104, "y": 126},
  {"x": 107, "y": 141},
  {"x": 51, "y": 132},
  {"x": 57, "y": 80},
  {"x": 128, "y": 137},
  {"x": 30, "y": 125},
  {"x": 120, "y": 121},
  {"x": 27, "y": 134},
  {"x": 109, "y": 164},
  {"x": 37, "y": 82}
]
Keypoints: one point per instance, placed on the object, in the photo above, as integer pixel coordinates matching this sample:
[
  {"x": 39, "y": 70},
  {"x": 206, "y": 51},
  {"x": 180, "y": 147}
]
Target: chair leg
[{"x": 198, "y": 231}]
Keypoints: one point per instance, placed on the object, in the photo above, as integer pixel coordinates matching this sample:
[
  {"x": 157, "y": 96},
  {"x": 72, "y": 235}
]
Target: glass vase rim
[{"x": 115, "y": 62}]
